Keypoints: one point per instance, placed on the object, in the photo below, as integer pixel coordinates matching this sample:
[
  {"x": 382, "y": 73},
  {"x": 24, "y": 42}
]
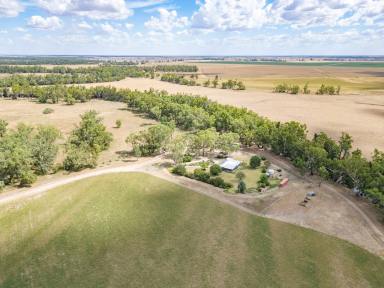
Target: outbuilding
[{"x": 230, "y": 164}]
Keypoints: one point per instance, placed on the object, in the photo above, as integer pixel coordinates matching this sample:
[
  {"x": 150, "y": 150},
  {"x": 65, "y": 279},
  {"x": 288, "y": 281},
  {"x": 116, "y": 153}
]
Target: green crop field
[{"x": 134, "y": 230}]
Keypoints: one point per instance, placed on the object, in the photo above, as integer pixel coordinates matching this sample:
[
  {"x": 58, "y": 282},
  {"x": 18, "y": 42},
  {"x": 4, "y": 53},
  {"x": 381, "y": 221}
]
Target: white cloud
[
  {"x": 10, "y": 8},
  {"x": 166, "y": 22},
  {"x": 230, "y": 14},
  {"x": 248, "y": 14},
  {"x": 39, "y": 22},
  {"x": 108, "y": 28},
  {"x": 84, "y": 25},
  {"x": 94, "y": 9},
  {"x": 20, "y": 29},
  {"x": 129, "y": 26}
]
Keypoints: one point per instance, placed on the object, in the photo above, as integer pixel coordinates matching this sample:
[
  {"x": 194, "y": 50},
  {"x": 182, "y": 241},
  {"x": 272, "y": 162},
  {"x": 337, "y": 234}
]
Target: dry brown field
[
  {"x": 361, "y": 115},
  {"x": 266, "y": 77}
]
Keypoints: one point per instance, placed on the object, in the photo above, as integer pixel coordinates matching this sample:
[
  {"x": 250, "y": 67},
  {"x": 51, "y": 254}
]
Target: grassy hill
[{"x": 134, "y": 230}]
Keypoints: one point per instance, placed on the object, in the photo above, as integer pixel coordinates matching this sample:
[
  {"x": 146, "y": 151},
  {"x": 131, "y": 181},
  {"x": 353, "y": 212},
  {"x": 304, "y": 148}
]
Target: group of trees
[
  {"x": 328, "y": 90},
  {"x": 159, "y": 138},
  {"x": 178, "y": 79},
  {"x": 230, "y": 84},
  {"x": 291, "y": 89},
  {"x": 295, "y": 89},
  {"x": 182, "y": 80},
  {"x": 233, "y": 84},
  {"x": 26, "y": 152}
]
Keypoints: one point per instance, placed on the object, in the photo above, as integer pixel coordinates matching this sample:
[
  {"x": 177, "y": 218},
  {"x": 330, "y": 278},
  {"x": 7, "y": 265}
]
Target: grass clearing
[{"x": 135, "y": 230}]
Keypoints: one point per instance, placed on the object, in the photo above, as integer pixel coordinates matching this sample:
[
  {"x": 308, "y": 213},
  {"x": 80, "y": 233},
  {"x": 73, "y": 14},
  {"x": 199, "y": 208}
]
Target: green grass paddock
[{"x": 135, "y": 230}]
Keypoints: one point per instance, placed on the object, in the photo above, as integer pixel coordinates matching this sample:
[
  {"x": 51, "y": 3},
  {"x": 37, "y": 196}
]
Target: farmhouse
[{"x": 230, "y": 164}]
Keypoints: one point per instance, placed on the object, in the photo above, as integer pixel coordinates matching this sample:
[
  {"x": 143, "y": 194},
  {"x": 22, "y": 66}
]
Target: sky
[{"x": 189, "y": 27}]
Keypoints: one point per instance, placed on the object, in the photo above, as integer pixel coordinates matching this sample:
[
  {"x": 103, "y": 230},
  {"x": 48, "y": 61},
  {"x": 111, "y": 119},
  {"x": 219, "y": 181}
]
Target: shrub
[
  {"x": 79, "y": 158},
  {"x": 201, "y": 175},
  {"x": 215, "y": 169},
  {"x": 242, "y": 187},
  {"x": 48, "y": 111},
  {"x": 263, "y": 169},
  {"x": 187, "y": 158},
  {"x": 281, "y": 88},
  {"x": 254, "y": 162},
  {"x": 179, "y": 170},
  {"x": 2, "y": 185},
  {"x": 219, "y": 182},
  {"x": 263, "y": 181},
  {"x": 294, "y": 89},
  {"x": 27, "y": 178},
  {"x": 306, "y": 89},
  {"x": 118, "y": 123}
]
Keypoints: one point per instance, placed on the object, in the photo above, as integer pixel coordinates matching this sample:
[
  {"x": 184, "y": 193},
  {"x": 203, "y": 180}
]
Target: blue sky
[{"x": 203, "y": 27}]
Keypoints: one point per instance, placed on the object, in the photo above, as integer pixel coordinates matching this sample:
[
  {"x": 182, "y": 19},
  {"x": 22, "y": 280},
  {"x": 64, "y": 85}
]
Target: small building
[
  {"x": 230, "y": 164},
  {"x": 270, "y": 172}
]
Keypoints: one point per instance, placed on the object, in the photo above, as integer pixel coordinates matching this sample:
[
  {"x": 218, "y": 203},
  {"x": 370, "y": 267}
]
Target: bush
[
  {"x": 263, "y": 181},
  {"x": 79, "y": 158},
  {"x": 204, "y": 165},
  {"x": 254, "y": 162},
  {"x": 294, "y": 89},
  {"x": 27, "y": 178},
  {"x": 264, "y": 169},
  {"x": 179, "y": 170},
  {"x": 281, "y": 88},
  {"x": 219, "y": 182},
  {"x": 242, "y": 187},
  {"x": 187, "y": 158},
  {"x": 215, "y": 169},
  {"x": 201, "y": 175},
  {"x": 2, "y": 185},
  {"x": 48, "y": 111},
  {"x": 118, "y": 123}
]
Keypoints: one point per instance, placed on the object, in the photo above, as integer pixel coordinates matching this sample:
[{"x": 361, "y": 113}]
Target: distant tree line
[
  {"x": 37, "y": 60},
  {"x": 175, "y": 68},
  {"x": 73, "y": 75}
]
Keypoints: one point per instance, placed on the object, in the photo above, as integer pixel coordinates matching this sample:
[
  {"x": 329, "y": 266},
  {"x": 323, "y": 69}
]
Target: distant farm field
[
  {"x": 135, "y": 230},
  {"x": 351, "y": 64},
  {"x": 352, "y": 77}
]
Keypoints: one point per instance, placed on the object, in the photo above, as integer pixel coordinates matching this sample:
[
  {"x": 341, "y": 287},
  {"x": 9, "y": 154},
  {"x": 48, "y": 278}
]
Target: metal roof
[{"x": 230, "y": 164}]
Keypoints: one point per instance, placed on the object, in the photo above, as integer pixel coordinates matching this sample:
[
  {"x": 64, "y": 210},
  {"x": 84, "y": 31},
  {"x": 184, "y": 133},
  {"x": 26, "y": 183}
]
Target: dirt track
[{"x": 360, "y": 115}]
